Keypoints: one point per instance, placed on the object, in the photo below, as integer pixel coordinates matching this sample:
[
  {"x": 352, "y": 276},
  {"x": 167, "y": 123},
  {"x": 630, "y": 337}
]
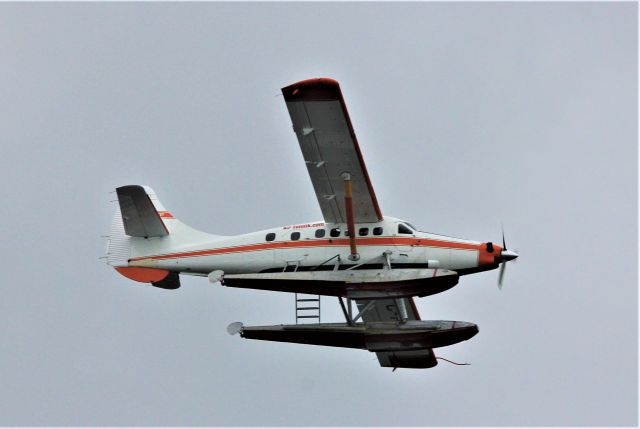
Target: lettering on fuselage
[{"x": 305, "y": 225}]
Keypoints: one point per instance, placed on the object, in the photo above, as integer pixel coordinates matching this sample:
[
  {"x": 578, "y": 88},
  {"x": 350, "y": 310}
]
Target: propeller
[
  {"x": 501, "y": 276},
  {"x": 505, "y": 256}
]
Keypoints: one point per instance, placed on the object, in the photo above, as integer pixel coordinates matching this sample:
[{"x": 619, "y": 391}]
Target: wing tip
[{"x": 319, "y": 88}]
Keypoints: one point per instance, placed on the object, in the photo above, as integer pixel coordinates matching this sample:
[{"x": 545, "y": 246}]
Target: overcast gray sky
[{"x": 467, "y": 114}]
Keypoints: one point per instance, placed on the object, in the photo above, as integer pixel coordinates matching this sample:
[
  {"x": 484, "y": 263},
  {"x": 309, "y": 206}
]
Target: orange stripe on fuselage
[{"x": 382, "y": 241}]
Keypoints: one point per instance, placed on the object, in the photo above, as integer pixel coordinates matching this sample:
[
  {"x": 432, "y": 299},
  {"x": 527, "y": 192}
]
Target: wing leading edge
[{"x": 330, "y": 149}]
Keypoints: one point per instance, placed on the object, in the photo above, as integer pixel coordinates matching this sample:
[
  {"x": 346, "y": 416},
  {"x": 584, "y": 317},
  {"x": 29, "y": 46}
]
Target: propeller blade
[
  {"x": 504, "y": 244},
  {"x": 506, "y": 256},
  {"x": 502, "y": 270}
]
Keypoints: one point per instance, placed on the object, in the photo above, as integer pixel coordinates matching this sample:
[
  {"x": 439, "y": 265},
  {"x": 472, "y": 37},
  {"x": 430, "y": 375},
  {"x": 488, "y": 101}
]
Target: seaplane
[{"x": 377, "y": 262}]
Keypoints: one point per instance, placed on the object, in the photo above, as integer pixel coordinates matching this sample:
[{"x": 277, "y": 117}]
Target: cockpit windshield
[
  {"x": 404, "y": 229},
  {"x": 411, "y": 226}
]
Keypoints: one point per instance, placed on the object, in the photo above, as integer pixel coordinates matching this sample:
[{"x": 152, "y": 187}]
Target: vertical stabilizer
[
  {"x": 141, "y": 227},
  {"x": 140, "y": 216}
]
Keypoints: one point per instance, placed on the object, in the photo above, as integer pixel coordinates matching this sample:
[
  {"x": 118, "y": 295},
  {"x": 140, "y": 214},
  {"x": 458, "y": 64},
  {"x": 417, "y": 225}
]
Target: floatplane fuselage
[{"x": 312, "y": 246}]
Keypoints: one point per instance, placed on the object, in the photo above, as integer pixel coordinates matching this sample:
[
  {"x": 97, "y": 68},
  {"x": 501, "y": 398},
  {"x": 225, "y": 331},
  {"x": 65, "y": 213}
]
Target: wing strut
[{"x": 348, "y": 202}]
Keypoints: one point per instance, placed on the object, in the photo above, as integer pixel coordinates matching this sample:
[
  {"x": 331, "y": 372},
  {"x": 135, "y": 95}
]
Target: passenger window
[
  {"x": 335, "y": 232},
  {"x": 404, "y": 229},
  {"x": 346, "y": 233},
  {"x": 377, "y": 230},
  {"x": 320, "y": 233},
  {"x": 271, "y": 236},
  {"x": 295, "y": 236},
  {"x": 363, "y": 231}
]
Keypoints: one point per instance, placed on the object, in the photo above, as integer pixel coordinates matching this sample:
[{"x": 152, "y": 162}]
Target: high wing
[
  {"x": 386, "y": 310},
  {"x": 330, "y": 149}
]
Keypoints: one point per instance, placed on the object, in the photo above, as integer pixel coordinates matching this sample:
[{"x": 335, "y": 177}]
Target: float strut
[{"x": 347, "y": 314}]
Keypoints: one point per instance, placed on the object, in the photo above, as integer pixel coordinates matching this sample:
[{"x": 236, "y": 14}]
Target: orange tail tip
[{"x": 144, "y": 275}]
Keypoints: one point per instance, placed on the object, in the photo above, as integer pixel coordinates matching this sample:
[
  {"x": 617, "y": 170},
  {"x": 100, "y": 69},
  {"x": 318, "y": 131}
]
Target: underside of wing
[
  {"x": 330, "y": 149},
  {"x": 386, "y": 310},
  {"x": 419, "y": 359}
]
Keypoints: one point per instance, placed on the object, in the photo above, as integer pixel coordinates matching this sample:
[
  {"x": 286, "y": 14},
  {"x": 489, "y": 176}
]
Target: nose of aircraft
[{"x": 508, "y": 255}]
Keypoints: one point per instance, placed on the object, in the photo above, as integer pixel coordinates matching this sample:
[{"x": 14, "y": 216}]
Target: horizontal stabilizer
[{"x": 140, "y": 217}]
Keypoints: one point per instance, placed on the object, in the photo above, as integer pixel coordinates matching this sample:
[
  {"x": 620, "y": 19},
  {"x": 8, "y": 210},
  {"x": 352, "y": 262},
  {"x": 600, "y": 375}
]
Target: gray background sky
[{"x": 468, "y": 115}]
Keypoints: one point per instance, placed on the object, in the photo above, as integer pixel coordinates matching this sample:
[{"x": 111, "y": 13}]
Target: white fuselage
[{"x": 304, "y": 247}]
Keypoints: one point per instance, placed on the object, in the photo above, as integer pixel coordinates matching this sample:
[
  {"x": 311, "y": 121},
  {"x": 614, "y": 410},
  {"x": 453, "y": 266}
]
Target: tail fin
[
  {"x": 140, "y": 214},
  {"x": 143, "y": 227}
]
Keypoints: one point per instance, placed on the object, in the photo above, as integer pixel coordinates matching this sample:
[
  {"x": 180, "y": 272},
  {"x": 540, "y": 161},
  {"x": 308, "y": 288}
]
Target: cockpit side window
[{"x": 404, "y": 229}]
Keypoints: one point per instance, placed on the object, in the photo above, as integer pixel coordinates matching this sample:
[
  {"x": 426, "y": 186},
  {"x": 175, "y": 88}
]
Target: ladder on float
[{"x": 307, "y": 306}]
